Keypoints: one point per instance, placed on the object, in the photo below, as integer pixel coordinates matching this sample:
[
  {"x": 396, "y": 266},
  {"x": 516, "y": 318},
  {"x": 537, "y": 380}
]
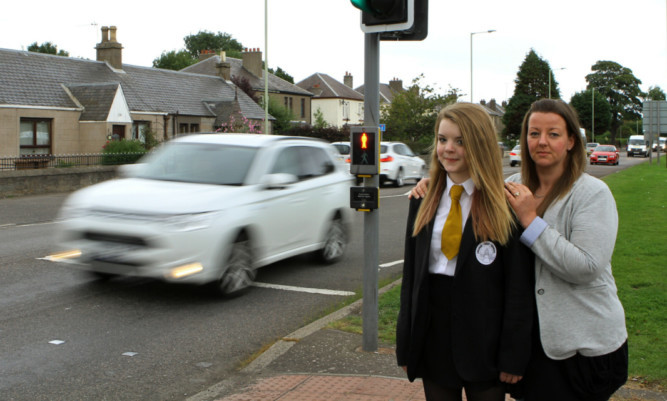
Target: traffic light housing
[
  {"x": 394, "y": 19},
  {"x": 365, "y": 154}
]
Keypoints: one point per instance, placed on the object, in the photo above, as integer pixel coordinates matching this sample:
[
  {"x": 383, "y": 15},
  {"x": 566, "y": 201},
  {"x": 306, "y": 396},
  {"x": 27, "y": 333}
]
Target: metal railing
[{"x": 64, "y": 161}]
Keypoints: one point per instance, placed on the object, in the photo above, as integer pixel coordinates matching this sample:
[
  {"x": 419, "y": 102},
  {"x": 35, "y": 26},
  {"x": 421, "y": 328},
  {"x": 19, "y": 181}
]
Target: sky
[{"x": 324, "y": 36}]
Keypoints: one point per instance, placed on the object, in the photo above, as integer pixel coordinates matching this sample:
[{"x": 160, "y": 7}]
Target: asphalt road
[{"x": 66, "y": 336}]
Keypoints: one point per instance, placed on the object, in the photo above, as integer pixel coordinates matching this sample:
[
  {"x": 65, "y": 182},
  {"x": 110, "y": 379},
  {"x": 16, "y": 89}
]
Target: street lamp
[
  {"x": 474, "y": 33},
  {"x": 550, "y": 74}
]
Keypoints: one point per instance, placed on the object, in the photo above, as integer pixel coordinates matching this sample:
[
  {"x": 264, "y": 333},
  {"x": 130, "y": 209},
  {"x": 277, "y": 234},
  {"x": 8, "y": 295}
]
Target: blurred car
[
  {"x": 343, "y": 149},
  {"x": 515, "y": 156},
  {"x": 398, "y": 163},
  {"x": 605, "y": 154},
  {"x": 660, "y": 143},
  {"x": 590, "y": 147},
  {"x": 211, "y": 209}
]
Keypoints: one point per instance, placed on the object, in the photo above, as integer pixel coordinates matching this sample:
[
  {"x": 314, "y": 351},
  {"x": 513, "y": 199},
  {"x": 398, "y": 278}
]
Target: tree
[
  {"x": 48, "y": 48},
  {"x": 532, "y": 83},
  {"x": 283, "y": 116},
  {"x": 205, "y": 40},
  {"x": 412, "y": 113},
  {"x": 655, "y": 93},
  {"x": 282, "y": 74},
  {"x": 621, "y": 89},
  {"x": 174, "y": 60},
  {"x": 243, "y": 84},
  {"x": 320, "y": 122},
  {"x": 583, "y": 103}
]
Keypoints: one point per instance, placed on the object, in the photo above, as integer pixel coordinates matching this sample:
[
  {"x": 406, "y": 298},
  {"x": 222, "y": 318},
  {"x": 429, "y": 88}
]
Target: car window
[
  {"x": 199, "y": 163},
  {"x": 408, "y": 151},
  {"x": 605, "y": 149},
  {"x": 383, "y": 148},
  {"x": 517, "y": 148},
  {"x": 304, "y": 162},
  {"x": 342, "y": 149}
]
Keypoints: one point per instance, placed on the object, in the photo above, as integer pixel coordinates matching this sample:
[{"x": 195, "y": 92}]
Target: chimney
[
  {"x": 347, "y": 80},
  {"x": 224, "y": 67},
  {"x": 252, "y": 61},
  {"x": 396, "y": 85},
  {"x": 109, "y": 49},
  {"x": 492, "y": 105},
  {"x": 482, "y": 102},
  {"x": 204, "y": 54}
]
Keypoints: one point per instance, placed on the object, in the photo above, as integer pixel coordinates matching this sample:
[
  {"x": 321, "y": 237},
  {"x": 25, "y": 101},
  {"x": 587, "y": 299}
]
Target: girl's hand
[{"x": 419, "y": 191}]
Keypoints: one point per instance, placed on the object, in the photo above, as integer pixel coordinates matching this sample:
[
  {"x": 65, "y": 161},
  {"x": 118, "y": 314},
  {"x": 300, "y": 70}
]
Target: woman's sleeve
[
  {"x": 589, "y": 222},
  {"x": 515, "y": 340},
  {"x": 403, "y": 325}
]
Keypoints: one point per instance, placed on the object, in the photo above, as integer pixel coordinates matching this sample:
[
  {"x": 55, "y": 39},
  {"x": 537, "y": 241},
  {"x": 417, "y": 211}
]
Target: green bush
[{"x": 122, "y": 152}]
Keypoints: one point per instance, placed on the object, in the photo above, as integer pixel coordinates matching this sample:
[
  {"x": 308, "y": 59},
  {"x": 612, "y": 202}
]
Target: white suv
[
  {"x": 398, "y": 163},
  {"x": 211, "y": 209}
]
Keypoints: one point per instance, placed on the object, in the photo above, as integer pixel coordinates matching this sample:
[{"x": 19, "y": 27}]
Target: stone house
[
  {"x": 338, "y": 103},
  {"x": 60, "y": 105},
  {"x": 250, "y": 67}
]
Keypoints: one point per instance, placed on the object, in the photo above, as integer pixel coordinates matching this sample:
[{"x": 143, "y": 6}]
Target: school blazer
[{"x": 492, "y": 311}]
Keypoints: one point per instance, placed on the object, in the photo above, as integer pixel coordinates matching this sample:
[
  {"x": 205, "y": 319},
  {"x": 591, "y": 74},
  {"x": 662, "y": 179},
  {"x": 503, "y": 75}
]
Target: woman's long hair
[
  {"x": 492, "y": 218},
  {"x": 575, "y": 162}
]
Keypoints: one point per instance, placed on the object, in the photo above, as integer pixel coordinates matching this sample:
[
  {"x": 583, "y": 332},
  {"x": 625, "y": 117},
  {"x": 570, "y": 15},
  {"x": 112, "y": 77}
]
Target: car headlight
[{"x": 189, "y": 222}]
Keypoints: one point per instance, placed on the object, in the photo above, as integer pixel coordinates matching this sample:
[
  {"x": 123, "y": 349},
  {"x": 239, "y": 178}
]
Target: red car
[{"x": 605, "y": 154}]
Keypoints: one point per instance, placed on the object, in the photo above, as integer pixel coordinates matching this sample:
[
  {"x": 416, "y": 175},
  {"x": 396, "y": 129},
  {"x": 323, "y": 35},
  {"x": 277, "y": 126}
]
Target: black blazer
[{"x": 492, "y": 309}]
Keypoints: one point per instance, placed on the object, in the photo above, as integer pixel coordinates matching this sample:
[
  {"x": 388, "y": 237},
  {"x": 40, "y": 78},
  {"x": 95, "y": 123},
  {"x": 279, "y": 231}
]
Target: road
[{"x": 66, "y": 336}]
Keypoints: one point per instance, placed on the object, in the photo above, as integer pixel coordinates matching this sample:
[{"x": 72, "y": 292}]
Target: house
[
  {"x": 496, "y": 112},
  {"x": 387, "y": 91},
  {"x": 337, "y": 103},
  {"x": 250, "y": 67},
  {"x": 60, "y": 105}
]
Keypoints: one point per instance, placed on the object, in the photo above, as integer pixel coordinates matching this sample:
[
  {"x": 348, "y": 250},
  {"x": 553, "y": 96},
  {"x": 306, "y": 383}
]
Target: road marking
[
  {"x": 389, "y": 264},
  {"x": 303, "y": 289},
  {"x": 26, "y": 224}
]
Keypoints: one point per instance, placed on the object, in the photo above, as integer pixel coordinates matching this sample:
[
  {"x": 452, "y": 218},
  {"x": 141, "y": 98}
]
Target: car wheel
[
  {"x": 240, "y": 273},
  {"x": 512, "y": 163},
  {"x": 399, "y": 181},
  {"x": 335, "y": 243}
]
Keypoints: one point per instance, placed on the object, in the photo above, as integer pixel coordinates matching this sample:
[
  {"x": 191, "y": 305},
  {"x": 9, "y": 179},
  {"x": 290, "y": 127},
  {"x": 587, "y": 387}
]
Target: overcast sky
[{"x": 309, "y": 36}]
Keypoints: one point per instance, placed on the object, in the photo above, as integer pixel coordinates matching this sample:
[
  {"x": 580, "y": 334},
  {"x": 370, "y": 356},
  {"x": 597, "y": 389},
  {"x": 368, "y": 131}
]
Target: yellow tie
[{"x": 451, "y": 232}]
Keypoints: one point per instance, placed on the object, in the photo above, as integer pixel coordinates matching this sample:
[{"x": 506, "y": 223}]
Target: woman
[
  {"x": 570, "y": 222},
  {"x": 466, "y": 300}
]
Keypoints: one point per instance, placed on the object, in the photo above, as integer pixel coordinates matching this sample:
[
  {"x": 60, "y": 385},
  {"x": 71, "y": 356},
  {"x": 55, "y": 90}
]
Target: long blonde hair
[{"x": 492, "y": 218}]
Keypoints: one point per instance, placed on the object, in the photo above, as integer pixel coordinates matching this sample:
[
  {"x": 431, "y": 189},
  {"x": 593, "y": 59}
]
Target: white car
[
  {"x": 515, "y": 156},
  {"x": 211, "y": 208},
  {"x": 398, "y": 163}
]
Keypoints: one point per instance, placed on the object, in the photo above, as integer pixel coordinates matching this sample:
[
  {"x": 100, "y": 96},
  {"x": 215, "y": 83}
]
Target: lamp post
[
  {"x": 474, "y": 33},
  {"x": 550, "y": 74},
  {"x": 593, "y": 114}
]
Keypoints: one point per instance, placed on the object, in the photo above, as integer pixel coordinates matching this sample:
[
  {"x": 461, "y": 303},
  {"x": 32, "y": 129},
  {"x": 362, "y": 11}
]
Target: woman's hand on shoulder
[
  {"x": 419, "y": 191},
  {"x": 522, "y": 201}
]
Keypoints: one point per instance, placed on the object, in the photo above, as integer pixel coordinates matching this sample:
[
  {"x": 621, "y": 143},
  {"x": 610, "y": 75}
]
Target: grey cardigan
[{"x": 577, "y": 302}]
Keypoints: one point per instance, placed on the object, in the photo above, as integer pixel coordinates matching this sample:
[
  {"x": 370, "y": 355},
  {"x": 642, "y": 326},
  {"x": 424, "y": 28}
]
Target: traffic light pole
[{"x": 372, "y": 218}]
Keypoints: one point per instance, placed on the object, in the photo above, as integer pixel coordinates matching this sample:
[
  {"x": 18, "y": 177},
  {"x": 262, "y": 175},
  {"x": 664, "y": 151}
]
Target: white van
[{"x": 637, "y": 146}]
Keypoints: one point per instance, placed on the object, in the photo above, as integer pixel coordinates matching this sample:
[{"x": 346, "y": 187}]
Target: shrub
[{"x": 122, "y": 152}]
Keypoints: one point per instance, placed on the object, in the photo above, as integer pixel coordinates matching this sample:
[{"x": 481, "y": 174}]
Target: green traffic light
[{"x": 363, "y": 5}]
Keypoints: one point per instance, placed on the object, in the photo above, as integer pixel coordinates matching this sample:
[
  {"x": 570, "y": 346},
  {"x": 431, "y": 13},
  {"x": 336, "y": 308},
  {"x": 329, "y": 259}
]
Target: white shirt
[{"x": 438, "y": 262}]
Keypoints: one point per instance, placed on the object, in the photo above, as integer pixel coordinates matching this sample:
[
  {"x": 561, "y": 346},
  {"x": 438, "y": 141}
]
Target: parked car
[
  {"x": 398, "y": 163},
  {"x": 515, "y": 156},
  {"x": 660, "y": 143},
  {"x": 211, "y": 209},
  {"x": 590, "y": 147},
  {"x": 605, "y": 154}
]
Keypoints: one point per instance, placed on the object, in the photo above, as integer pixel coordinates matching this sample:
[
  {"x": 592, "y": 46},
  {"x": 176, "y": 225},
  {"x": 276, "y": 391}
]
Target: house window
[
  {"x": 303, "y": 108},
  {"x": 35, "y": 136},
  {"x": 183, "y": 128},
  {"x": 194, "y": 127},
  {"x": 285, "y": 101},
  {"x": 290, "y": 108},
  {"x": 139, "y": 129}
]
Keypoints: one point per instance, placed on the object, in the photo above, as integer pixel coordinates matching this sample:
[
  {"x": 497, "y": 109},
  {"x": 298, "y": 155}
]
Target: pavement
[{"x": 318, "y": 363}]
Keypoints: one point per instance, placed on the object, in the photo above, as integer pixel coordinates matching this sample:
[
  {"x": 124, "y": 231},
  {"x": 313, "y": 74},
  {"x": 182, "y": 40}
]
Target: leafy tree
[
  {"x": 412, "y": 113},
  {"x": 621, "y": 89},
  {"x": 205, "y": 40},
  {"x": 48, "y": 48},
  {"x": 283, "y": 116},
  {"x": 174, "y": 60},
  {"x": 532, "y": 83},
  {"x": 320, "y": 122},
  {"x": 282, "y": 74},
  {"x": 243, "y": 84},
  {"x": 655, "y": 93},
  {"x": 583, "y": 102}
]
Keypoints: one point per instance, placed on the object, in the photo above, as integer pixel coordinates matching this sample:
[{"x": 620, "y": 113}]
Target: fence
[{"x": 62, "y": 161}]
